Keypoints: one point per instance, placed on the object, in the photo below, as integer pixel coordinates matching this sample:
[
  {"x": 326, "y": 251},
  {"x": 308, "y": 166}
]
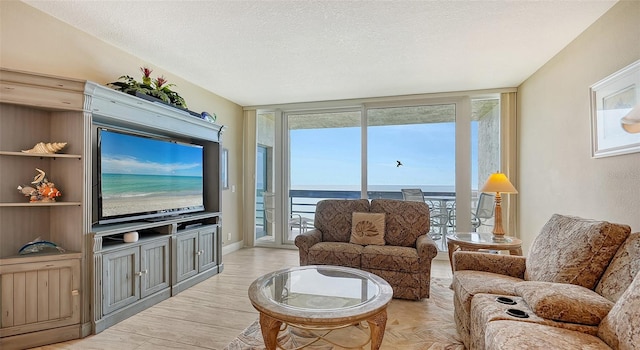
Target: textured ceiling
[{"x": 270, "y": 52}]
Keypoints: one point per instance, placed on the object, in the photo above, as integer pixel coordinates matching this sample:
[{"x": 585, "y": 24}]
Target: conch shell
[{"x": 49, "y": 147}]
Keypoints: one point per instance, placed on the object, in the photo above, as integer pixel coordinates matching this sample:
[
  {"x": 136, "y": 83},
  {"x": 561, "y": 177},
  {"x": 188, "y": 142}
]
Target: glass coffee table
[{"x": 320, "y": 298}]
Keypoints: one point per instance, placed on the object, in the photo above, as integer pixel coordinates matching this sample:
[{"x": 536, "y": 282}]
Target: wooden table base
[{"x": 270, "y": 327}]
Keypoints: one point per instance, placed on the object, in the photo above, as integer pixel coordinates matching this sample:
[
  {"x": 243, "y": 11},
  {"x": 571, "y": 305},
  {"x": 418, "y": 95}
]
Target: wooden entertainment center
[{"x": 99, "y": 279}]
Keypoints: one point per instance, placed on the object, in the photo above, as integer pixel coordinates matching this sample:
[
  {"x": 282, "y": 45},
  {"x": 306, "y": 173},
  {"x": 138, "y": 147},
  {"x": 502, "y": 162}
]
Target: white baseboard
[{"x": 232, "y": 247}]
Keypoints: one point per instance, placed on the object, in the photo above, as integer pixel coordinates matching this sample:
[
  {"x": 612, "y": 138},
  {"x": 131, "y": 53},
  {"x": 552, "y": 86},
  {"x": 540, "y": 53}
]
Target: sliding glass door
[
  {"x": 266, "y": 214},
  {"x": 414, "y": 147},
  {"x": 446, "y": 148},
  {"x": 263, "y": 230},
  {"x": 324, "y": 162}
]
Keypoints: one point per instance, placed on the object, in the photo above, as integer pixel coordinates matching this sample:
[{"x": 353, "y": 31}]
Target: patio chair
[
  {"x": 412, "y": 194},
  {"x": 483, "y": 212},
  {"x": 294, "y": 221}
]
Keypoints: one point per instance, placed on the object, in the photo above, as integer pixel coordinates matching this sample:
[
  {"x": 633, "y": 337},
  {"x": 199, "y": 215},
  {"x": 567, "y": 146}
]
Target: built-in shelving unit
[
  {"x": 41, "y": 294},
  {"x": 99, "y": 279}
]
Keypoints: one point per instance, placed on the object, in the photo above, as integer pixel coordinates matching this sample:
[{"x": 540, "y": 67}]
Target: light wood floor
[{"x": 208, "y": 315}]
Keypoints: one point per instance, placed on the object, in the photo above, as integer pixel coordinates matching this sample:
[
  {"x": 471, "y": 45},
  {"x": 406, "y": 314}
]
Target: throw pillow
[
  {"x": 367, "y": 228},
  {"x": 564, "y": 302}
]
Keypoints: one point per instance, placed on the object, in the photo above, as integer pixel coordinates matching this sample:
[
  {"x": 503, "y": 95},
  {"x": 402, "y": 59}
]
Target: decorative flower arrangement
[{"x": 157, "y": 88}]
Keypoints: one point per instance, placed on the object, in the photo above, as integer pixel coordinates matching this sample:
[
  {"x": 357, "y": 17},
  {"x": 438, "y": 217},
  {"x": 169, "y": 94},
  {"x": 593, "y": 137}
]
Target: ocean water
[
  {"x": 125, "y": 185},
  {"x": 390, "y": 188},
  {"x": 392, "y": 191},
  {"x": 306, "y": 205}
]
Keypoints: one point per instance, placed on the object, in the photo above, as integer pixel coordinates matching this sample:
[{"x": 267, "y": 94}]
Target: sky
[
  {"x": 126, "y": 154},
  {"x": 329, "y": 157}
]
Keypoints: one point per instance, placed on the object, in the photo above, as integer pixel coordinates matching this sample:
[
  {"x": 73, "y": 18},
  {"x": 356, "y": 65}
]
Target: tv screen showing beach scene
[{"x": 144, "y": 177}]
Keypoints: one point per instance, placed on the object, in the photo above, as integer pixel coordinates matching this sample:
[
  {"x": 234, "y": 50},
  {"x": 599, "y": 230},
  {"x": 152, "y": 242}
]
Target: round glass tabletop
[
  {"x": 477, "y": 237},
  {"x": 319, "y": 288}
]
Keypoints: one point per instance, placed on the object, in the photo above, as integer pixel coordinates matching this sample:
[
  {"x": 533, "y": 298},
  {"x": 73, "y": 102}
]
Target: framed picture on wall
[
  {"x": 615, "y": 113},
  {"x": 224, "y": 173}
]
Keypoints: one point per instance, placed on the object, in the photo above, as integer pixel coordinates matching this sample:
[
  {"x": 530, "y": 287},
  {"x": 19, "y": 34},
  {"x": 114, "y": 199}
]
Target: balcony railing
[
  {"x": 299, "y": 199},
  {"x": 303, "y": 203}
]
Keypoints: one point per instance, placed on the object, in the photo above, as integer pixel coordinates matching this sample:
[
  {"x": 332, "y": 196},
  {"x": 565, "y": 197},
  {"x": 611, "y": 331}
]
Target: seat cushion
[
  {"x": 574, "y": 250},
  {"x": 335, "y": 253},
  {"x": 471, "y": 323},
  {"x": 333, "y": 217},
  {"x": 564, "y": 302},
  {"x": 390, "y": 258},
  {"x": 485, "y": 308},
  {"x": 622, "y": 269},
  {"x": 509, "y": 335},
  {"x": 405, "y": 220}
]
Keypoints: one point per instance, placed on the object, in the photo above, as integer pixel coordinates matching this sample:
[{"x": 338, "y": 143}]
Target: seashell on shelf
[{"x": 49, "y": 147}]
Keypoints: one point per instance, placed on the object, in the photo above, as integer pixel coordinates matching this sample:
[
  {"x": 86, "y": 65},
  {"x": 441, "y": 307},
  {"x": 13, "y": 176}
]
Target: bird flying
[{"x": 399, "y": 163}]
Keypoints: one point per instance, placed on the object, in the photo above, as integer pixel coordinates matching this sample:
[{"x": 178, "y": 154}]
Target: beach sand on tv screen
[{"x": 123, "y": 206}]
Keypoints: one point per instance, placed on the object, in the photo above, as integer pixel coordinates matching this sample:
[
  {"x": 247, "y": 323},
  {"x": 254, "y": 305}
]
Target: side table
[{"x": 474, "y": 241}]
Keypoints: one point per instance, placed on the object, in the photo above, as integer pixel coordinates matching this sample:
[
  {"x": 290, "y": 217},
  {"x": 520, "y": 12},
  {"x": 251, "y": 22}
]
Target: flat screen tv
[{"x": 142, "y": 177}]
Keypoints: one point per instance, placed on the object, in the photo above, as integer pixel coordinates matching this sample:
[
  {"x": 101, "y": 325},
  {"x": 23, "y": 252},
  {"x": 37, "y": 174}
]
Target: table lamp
[{"x": 498, "y": 183}]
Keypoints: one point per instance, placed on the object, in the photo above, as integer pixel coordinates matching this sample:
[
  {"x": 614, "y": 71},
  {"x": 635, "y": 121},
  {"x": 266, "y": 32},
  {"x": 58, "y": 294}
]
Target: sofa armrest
[
  {"x": 426, "y": 248},
  {"x": 509, "y": 265},
  {"x": 305, "y": 241}
]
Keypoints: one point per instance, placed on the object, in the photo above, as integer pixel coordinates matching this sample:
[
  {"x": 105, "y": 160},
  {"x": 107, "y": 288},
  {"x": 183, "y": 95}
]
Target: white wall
[
  {"x": 556, "y": 171},
  {"x": 36, "y": 42}
]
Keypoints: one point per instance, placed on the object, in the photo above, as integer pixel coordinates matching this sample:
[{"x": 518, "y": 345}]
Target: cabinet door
[
  {"x": 207, "y": 249},
  {"x": 155, "y": 267},
  {"x": 186, "y": 255},
  {"x": 120, "y": 278},
  {"x": 39, "y": 295}
]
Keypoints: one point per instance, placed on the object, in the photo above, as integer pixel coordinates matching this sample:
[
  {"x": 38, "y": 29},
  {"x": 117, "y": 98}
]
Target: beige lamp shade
[{"x": 498, "y": 182}]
